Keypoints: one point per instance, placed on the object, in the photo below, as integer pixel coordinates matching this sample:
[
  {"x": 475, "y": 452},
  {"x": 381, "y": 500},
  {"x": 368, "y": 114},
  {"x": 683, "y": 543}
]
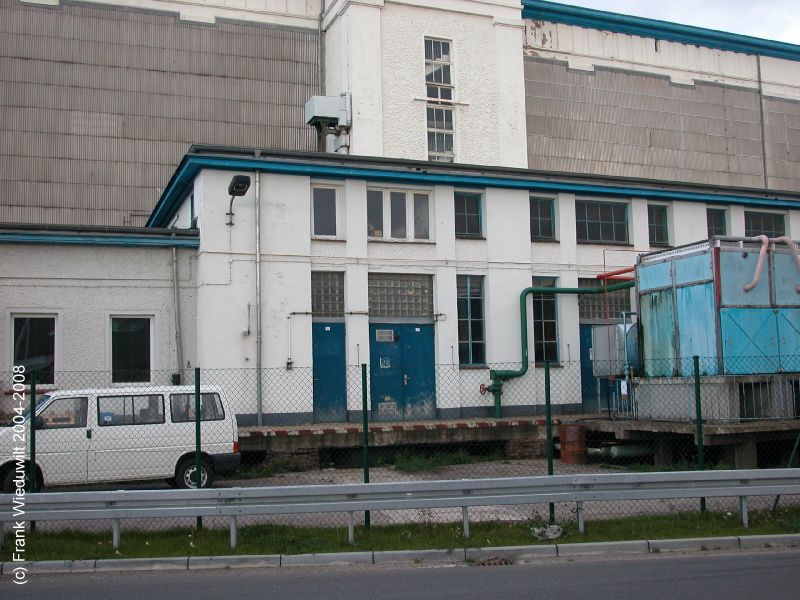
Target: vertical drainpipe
[
  {"x": 763, "y": 122},
  {"x": 177, "y": 306},
  {"x": 259, "y": 404}
]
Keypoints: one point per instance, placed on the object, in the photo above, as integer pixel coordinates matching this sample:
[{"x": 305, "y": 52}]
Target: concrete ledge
[
  {"x": 39, "y": 566},
  {"x": 235, "y": 562},
  {"x": 142, "y": 564},
  {"x": 515, "y": 553},
  {"x": 334, "y": 558},
  {"x": 694, "y": 544},
  {"x": 83, "y": 566},
  {"x": 603, "y": 548},
  {"x": 403, "y": 556},
  {"x": 787, "y": 540}
]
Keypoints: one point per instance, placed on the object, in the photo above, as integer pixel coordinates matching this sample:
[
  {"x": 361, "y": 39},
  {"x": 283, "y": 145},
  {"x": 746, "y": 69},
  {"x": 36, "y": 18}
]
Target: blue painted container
[{"x": 693, "y": 301}]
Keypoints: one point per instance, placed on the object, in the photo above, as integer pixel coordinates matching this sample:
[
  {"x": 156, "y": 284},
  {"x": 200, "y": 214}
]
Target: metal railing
[{"x": 236, "y": 502}]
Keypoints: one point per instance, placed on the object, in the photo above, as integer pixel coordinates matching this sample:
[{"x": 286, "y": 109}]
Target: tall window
[
  {"x": 439, "y": 92},
  {"x": 324, "y": 211},
  {"x": 657, "y": 224},
  {"x": 545, "y": 323},
  {"x": 35, "y": 346},
  {"x": 468, "y": 214},
  {"x": 542, "y": 221},
  {"x": 761, "y": 223},
  {"x": 398, "y": 214},
  {"x": 471, "y": 338},
  {"x": 130, "y": 349},
  {"x": 715, "y": 218},
  {"x": 605, "y": 222}
]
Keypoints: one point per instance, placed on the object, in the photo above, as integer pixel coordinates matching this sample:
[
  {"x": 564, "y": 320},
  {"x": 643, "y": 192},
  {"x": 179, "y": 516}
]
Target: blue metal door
[
  {"x": 330, "y": 388},
  {"x": 588, "y": 381},
  {"x": 402, "y": 377}
]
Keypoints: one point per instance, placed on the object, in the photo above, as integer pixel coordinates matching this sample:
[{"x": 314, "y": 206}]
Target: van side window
[
  {"x": 63, "y": 413},
  {"x": 182, "y": 407},
  {"x": 130, "y": 410}
]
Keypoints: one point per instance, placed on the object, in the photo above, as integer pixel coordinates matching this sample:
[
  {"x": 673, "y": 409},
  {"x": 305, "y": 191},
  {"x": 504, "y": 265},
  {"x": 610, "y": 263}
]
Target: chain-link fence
[{"x": 239, "y": 427}]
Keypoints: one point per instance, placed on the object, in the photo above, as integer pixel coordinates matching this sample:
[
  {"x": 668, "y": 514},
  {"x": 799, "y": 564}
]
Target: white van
[{"x": 123, "y": 434}]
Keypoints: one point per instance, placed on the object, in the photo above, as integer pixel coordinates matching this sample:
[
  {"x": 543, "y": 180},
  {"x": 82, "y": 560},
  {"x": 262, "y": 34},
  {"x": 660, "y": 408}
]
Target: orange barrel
[{"x": 573, "y": 444}]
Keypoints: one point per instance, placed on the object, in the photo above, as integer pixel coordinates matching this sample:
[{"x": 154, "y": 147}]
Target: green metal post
[
  {"x": 198, "y": 461},
  {"x": 548, "y": 414},
  {"x": 699, "y": 423},
  {"x": 34, "y": 478},
  {"x": 365, "y": 434}
]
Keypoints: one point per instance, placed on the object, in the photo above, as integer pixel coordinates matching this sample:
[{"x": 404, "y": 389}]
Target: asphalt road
[{"x": 746, "y": 575}]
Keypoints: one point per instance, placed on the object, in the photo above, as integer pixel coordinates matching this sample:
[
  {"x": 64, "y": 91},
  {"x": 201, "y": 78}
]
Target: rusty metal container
[{"x": 573, "y": 444}]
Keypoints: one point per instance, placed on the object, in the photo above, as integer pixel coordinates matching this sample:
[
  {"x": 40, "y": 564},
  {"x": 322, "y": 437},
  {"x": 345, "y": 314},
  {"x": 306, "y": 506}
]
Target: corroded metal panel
[
  {"x": 690, "y": 269},
  {"x": 99, "y": 104},
  {"x": 654, "y": 276},
  {"x": 787, "y": 280},
  {"x": 657, "y": 315},
  {"x": 749, "y": 340},
  {"x": 788, "y": 322},
  {"x": 736, "y": 270},
  {"x": 697, "y": 327}
]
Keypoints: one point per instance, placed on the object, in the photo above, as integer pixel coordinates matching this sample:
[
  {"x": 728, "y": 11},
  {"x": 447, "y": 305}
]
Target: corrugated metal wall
[
  {"x": 98, "y": 105},
  {"x": 636, "y": 125}
]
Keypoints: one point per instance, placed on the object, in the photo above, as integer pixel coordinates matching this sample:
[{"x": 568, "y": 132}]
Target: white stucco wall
[{"x": 84, "y": 286}]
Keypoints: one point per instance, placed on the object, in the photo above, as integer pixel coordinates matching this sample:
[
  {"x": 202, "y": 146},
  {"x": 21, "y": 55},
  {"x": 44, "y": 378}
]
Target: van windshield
[{"x": 11, "y": 407}]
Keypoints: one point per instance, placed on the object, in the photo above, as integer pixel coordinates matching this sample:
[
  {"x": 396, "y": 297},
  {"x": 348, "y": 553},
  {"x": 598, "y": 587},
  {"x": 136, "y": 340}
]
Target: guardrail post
[
  {"x": 234, "y": 532},
  {"x": 351, "y": 536},
  {"x": 198, "y": 460},
  {"x": 743, "y": 511},
  {"x": 115, "y": 528},
  {"x": 465, "y": 520},
  {"x": 581, "y": 524},
  {"x": 365, "y": 434},
  {"x": 548, "y": 418},
  {"x": 33, "y": 475},
  {"x": 698, "y": 409}
]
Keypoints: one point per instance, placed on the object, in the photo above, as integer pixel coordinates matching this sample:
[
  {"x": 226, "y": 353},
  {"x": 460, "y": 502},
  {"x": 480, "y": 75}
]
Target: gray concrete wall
[
  {"x": 614, "y": 122},
  {"x": 98, "y": 104}
]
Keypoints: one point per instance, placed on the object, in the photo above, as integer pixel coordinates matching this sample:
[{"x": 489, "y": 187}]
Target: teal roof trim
[
  {"x": 540, "y": 10},
  {"x": 181, "y": 184},
  {"x": 97, "y": 240}
]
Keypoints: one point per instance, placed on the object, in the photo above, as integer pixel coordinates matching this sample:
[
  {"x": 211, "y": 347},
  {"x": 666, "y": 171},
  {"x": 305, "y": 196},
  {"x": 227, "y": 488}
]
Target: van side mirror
[{"x": 39, "y": 423}]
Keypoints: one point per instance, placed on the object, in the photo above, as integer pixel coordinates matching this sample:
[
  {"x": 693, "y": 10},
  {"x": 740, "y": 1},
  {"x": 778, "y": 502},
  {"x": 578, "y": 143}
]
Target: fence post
[
  {"x": 34, "y": 478},
  {"x": 365, "y": 434},
  {"x": 548, "y": 418},
  {"x": 698, "y": 409},
  {"x": 198, "y": 461}
]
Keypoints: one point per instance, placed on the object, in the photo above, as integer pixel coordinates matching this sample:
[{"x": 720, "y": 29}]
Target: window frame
[
  {"x": 339, "y": 208},
  {"x": 151, "y": 350},
  {"x": 43, "y": 425},
  {"x": 654, "y": 209},
  {"x": 555, "y": 343},
  {"x": 12, "y": 345},
  {"x": 218, "y": 403},
  {"x": 467, "y": 235},
  {"x": 133, "y": 411},
  {"x": 533, "y": 198},
  {"x": 762, "y": 214},
  {"x": 600, "y": 203},
  {"x": 443, "y": 100},
  {"x": 721, "y": 211},
  {"x": 470, "y": 342},
  {"x": 410, "y": 214}
]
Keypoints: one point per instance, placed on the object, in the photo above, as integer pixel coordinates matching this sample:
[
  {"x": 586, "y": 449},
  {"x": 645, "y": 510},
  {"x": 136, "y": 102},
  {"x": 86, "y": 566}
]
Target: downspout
[
  {"x": 177, "y": 306},
  {"x": 259, "y": 404},
  {"x": 499, "y": 376}
]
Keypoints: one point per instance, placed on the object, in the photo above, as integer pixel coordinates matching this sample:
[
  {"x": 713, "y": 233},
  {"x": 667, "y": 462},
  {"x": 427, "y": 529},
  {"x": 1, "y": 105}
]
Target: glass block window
[
  {"x": 400, "y": 295},
  {"x": 439, "y": 92},
  {"x": 602, "y": 306},
  {"x": 657, "y": 224},
  {"x": 471, "y": 334},
  {"x": 715, "y": 218},
  {"x": 35, "y": 346},
  {"x": 542, "y": 220},
  {"x": 761, "y": 223},
  {"x": 601, "y": 222},
  {"x": 468, "y": 214},
  {"x": 545, "y": 322},
  {"x": 327, "y": 294}
]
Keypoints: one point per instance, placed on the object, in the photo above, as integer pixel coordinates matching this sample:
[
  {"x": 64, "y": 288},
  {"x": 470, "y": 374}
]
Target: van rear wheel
[
  {"x": 185, "y": 474},
  {"x": 10, "y": 480}
]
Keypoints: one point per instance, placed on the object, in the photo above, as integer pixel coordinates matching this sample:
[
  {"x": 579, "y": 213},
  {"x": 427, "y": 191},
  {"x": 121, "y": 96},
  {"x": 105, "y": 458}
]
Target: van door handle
[{"x": 89, "y": 433}]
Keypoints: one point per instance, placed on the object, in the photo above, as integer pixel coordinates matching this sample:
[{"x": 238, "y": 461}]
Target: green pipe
[{"x": 498, "y": 376}]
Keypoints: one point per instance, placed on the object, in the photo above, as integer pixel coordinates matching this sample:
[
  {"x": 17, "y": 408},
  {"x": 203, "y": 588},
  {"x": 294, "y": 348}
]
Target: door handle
[
  {"x": 405, "y": 379},
  {"x": 89, "y": 434}
]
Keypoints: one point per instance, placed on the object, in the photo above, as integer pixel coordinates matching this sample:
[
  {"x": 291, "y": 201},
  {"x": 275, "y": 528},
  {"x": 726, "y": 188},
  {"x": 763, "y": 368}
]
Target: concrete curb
[{"x": 511, "y": 553}]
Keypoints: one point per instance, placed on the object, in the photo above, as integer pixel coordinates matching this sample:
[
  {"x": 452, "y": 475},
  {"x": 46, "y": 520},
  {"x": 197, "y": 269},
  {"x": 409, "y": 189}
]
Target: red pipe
[{"x": 611, "y": 274}]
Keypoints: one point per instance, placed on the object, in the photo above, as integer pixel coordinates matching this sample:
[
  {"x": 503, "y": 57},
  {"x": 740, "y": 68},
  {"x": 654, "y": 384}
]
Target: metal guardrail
[{"x": 351, "y": 498}]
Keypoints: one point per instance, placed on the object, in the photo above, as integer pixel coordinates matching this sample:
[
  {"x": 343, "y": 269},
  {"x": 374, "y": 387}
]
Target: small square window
[
  {"x": 715, "y": 218},
  {"x": 657, "y": 224},
  {"x": 324, "y": 211},
  {"x": 542, "y": 221},
  {"x": 468, "y": 214}
]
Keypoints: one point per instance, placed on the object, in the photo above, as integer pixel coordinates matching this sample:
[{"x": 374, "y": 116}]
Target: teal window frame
[
  {"x": 713, "y": 226},
  {"x": 470, "y": 219},
  {"x": 545, "y": 346},
  {"x": 471, "y": 351},
  {"x": 586, "y": 223},
  {"x": 540, "y": 221},
  {"x": 658, "y": 224},
  {"x": 756, "y": 223}
]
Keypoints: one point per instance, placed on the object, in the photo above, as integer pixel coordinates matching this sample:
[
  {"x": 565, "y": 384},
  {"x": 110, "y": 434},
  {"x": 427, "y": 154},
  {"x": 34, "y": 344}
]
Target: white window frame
[
  {"x": 447, "y": 104},
  {"x": 110, "y": 347},
  {"x": 340, "y": 210},
  {"x": 27, "y": 314},
  {"x": 410, "y": 226}
]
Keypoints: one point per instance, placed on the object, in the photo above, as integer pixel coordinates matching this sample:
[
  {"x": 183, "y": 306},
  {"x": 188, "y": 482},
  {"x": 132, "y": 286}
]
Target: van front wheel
[{"x": 185, "y": 474}]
